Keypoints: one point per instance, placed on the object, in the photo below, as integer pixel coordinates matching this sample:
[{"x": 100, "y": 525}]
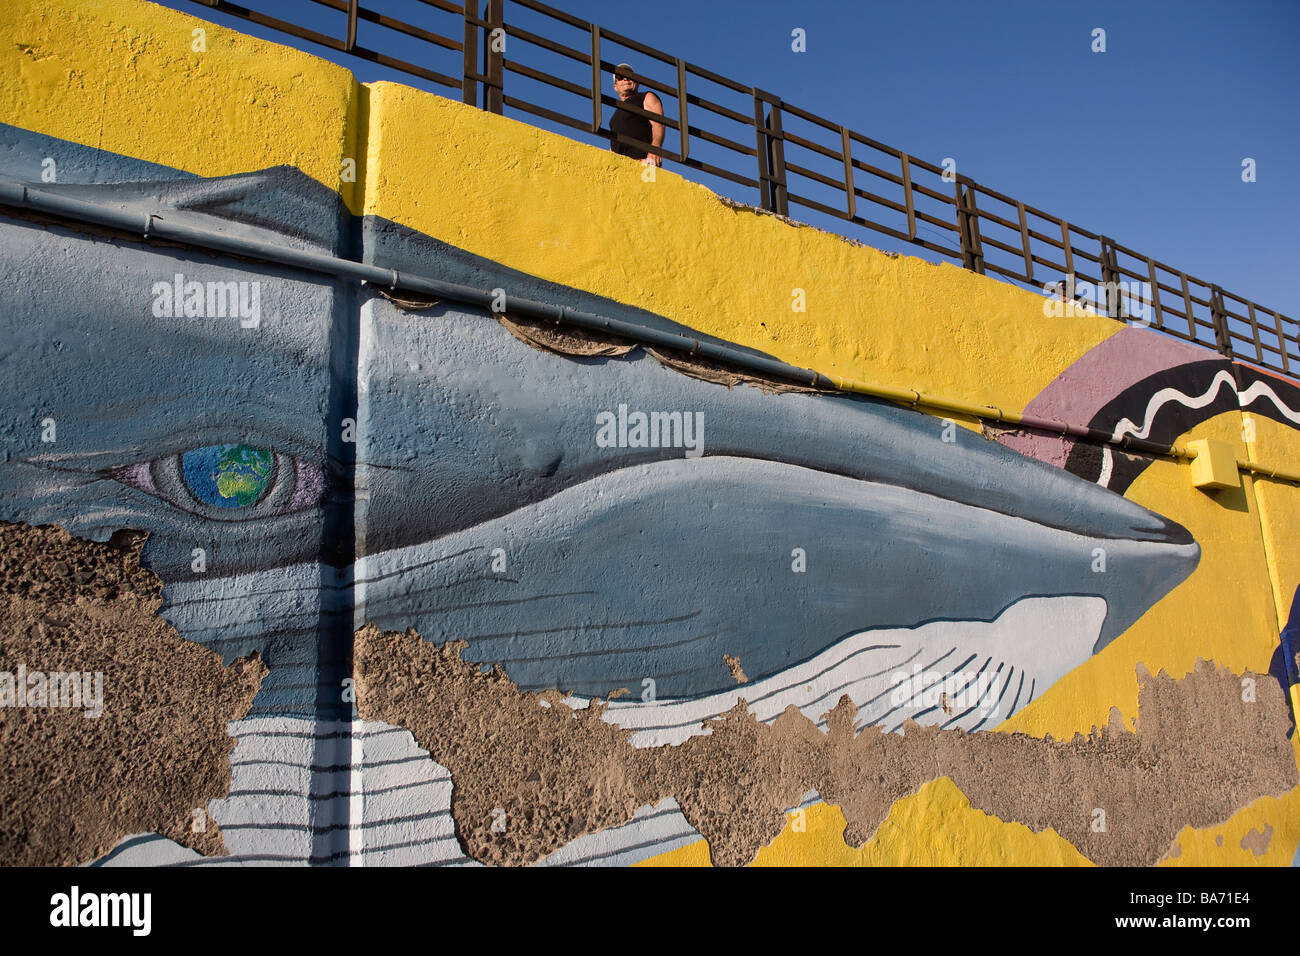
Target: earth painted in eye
[{"x": 228, "y": 476}]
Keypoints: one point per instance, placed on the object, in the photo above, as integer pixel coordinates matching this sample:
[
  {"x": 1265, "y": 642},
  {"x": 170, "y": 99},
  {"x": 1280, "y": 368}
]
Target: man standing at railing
[{"x": 633, "y": 125}]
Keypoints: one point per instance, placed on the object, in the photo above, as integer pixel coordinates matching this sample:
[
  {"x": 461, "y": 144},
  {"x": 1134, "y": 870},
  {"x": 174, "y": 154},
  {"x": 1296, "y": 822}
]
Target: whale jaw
[{"x": 968, "y": 675}]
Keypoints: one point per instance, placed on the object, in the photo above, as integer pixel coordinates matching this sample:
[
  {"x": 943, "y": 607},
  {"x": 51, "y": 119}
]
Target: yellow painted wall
[
  {"x": 125, "y": 76},
  {"x": 1279, "y": 507},
  {"x": 585, "y": 217}
]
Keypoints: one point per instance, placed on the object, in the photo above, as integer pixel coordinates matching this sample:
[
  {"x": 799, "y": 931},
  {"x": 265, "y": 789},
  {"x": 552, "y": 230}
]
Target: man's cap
[{"x": 624, "y": 69}]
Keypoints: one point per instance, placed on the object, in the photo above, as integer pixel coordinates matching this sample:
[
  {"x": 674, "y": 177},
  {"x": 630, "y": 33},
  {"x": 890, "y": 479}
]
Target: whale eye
[
  {"x": 228, "y": 476},
  {"x": 230, "y": 482}
]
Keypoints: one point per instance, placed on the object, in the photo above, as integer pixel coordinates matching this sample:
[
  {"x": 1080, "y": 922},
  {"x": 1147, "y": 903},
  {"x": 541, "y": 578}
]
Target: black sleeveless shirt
[{"x": 629, "y": 124}]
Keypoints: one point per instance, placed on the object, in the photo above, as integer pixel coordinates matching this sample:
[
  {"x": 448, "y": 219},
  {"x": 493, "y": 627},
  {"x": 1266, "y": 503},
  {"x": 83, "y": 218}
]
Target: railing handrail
[{"x": 1006, "y": 246}]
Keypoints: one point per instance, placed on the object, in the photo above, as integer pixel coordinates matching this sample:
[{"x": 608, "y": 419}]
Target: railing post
[
  {"x": 596, "y": 80},
  {"x": 1222, "y": 338},
  {"x": 970, "y": 258},
  {"x": 494, "y": 67},
  {"x": 776, "y": 150},
  {"x": 1282, "y": 341},
  {"x": 1254, "y": 333},
  {"x": 1156, "y": 313},
  {"x": 850, "y": 194},
  {"x": 973, "y": 228},
  {"x": 1187, "y": 308},
  {"x": 1110, "y": 281},
  {"x": 469, "y": 77},
  {"x": 906, "y": 165},
  {"x": 351, "y": 40},
  {"x": 683, "y": 125},
  {"x": 1067, "y": 247},
  {"x": 771, "y": 153},
  {"x": 1024, "y": 243},
  {"x": 760, "y": 147}
]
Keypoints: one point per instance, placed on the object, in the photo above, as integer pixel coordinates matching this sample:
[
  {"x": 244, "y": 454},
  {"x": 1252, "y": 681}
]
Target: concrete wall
[{"x": 330, "y": 458}]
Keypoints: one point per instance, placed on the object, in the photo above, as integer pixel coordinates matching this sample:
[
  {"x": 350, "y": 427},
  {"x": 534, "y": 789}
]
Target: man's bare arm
[{"x": 653, "y": 105}]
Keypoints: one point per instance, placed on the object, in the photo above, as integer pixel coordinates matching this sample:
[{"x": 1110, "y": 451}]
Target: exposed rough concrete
[
  {"x": 563, "y": 341},
  {"x": 1182, "y": 767},
  {"x": 531, "y": 773},
  {"x": 409, "y": 300},
  {"x": 72, "y": 786},
  {"x": 572, "y": 341},
  {"x": 733, "y": 665},
  {"x": 1257, "y": 841},
  {"x": 722, "y": 374}
]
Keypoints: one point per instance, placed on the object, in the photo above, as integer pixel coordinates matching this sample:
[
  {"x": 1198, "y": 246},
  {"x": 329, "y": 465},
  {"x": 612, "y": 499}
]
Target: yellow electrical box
[{"x": 1215, "y": 465}]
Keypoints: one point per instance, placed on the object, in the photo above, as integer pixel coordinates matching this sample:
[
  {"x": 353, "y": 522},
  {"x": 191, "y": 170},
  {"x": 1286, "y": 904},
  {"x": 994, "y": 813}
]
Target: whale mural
[
  {"x": 330, "y": 457},
  {"x": 603, "y": 521},
  {"x": 620, "y": 563}
]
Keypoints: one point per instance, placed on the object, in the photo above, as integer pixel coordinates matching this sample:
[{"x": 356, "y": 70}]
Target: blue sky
[{"x": 1143, "y": 142}]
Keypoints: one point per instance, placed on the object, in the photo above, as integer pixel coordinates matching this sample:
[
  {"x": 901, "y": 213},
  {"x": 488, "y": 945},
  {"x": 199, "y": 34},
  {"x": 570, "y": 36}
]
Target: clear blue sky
[{"x": 1143, "y": 142}]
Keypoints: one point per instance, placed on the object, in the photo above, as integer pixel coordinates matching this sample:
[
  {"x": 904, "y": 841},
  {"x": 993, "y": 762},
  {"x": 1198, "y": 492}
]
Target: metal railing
[{"x": 796, "y": 159}]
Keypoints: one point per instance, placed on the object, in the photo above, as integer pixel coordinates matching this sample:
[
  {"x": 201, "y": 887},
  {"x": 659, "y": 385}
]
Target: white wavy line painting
[{"x": 1126, "y": 426}]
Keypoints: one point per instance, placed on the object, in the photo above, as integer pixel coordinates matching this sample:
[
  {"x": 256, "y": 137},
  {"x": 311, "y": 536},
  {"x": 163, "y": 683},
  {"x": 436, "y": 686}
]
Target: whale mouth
[{"x": 964, "y": 675}]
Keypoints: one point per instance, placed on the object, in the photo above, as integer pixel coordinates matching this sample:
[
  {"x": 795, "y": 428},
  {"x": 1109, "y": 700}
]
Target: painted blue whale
[{"x": 428, "y": 469}]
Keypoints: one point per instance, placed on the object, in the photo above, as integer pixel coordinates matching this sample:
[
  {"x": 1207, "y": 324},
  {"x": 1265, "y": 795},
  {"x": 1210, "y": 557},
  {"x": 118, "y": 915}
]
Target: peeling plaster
[
  {"x": 545, "y": 773},
  {"x": 72, "y": 786}
]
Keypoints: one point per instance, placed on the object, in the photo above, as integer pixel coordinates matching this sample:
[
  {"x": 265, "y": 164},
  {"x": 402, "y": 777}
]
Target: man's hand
[{"x": 654, "y": 159}]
